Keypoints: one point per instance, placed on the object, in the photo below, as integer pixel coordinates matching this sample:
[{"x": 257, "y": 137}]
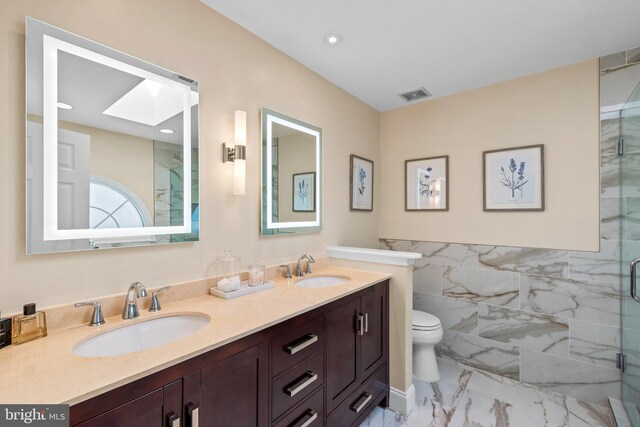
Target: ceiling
[{"x": 445, "y": 46}]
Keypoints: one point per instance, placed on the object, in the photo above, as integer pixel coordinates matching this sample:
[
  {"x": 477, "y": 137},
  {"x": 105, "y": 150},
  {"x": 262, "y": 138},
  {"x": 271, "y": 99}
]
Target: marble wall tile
[
  {"x": 631, "y": 131},
  {"x": 631, "y": 218},
  {"x": 547, "y": 262},
  {"x": 455, "y": 315},
  {"x": 447, "y": 253},
  {"x": 480, "y": 353},
  {"x": 478, "y": 285},
  {"x": 613, "y": 60},
  {"x": 568, "y": 298},
  {"x": 594, "y": 343},
  {"x": 633, "y": 55},
  {"x": 609, "y": 159},
  {"x": 526, "y": 330},
  {"x": 576, "y": 379},
  {"x": 610, "y": 218},
  {"x": 427, "y": 278},
  {"x": 603, "y": 266},
  {"x": 394, "y": 245}
]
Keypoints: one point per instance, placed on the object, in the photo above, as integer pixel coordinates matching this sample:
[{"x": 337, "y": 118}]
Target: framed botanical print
[
  {"x": 361, "y": 190},
  {"x": 427, "y": 184},
  {"x": 304, "y": 192},
  {"x": 514, "y": 179}
]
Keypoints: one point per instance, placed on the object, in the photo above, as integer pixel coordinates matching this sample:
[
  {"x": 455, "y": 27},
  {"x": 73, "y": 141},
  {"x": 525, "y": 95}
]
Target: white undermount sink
[
  {"x": 142, "y": 335},
  {"x": 322, "y": 281}
]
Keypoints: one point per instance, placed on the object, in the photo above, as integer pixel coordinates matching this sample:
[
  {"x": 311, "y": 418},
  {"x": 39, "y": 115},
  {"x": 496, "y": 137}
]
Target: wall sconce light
[{"x": 237, "y": 154}]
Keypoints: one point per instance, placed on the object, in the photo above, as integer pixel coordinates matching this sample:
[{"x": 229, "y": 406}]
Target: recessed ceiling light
[
  {"x": 64, "y": 106},
  {"x": 333, "y": 39},
  {"x": 166, "y": 131}
]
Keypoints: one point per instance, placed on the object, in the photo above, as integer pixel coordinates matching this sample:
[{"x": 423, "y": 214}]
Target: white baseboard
[{"x": 402, "y": 402}]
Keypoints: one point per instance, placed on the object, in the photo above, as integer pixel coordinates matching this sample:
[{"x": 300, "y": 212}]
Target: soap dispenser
[{"x": 30, "y": 325}]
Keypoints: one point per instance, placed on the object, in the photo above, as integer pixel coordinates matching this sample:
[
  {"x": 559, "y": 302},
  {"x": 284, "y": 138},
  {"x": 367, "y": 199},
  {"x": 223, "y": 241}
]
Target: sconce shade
[{"x": 240, "y": 164}]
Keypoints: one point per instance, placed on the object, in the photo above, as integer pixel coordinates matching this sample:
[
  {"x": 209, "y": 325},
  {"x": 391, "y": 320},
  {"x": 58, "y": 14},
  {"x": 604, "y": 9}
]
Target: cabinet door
[
  {"x": 342, "y": 352},
  {"x": 234, "y": 391},
  {"x": 145, "y": 411},
  {"x": 373, "y": 344}
]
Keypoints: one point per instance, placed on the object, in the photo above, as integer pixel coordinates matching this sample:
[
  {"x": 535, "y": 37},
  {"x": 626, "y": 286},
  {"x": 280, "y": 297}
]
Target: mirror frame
[
  {"x": 268, "y": 226},
  {"x": 54, "y": 39}
]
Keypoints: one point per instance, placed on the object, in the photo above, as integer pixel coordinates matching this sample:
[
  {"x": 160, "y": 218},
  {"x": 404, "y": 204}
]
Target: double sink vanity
[{"x": 308, "y": 353}]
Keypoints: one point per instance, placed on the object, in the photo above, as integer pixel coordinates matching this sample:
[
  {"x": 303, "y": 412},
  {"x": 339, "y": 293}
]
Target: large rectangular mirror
[
  {"x": 291, "y": 175},
  {"x": 111, "y": 150}
]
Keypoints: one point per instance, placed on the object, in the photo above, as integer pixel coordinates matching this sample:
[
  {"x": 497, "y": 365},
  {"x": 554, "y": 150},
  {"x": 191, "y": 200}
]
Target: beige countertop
[{"x": 47, "y": 371}]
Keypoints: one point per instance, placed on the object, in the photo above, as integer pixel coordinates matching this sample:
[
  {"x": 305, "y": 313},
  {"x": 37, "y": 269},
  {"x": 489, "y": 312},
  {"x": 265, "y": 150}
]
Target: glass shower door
[{"x": 630, "y": 250}]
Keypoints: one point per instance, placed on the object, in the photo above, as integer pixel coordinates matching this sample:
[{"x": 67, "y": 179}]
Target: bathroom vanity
[{"x": 327, "y": 366}]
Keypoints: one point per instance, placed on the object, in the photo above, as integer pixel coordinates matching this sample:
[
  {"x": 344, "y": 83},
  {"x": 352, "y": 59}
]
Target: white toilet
[{"x": 427, "y": 332}]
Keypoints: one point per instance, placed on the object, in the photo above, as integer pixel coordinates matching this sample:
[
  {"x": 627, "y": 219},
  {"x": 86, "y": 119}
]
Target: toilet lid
[{"x": 423, "y": 321}]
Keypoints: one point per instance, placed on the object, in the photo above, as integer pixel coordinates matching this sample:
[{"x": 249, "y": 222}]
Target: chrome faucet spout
[
  {"x": 309, "y": 259},
  {"x": 130, "y": 310}
]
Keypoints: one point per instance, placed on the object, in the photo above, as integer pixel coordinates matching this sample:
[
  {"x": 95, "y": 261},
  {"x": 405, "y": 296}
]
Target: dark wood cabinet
[
  {"x": 324, "y": 367},
  {"x": 357, "y": 344}
]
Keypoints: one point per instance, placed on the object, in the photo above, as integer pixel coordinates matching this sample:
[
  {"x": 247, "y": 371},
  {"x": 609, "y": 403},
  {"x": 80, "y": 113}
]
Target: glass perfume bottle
[{"x": 30, "y": 325}]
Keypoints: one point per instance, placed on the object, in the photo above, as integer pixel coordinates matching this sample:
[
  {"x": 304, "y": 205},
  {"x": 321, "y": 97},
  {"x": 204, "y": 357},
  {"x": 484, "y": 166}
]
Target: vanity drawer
[
  {"x": 360, "y": 401},
  {"x": 297, "y": 344},
  {"x": 309, "y": 413},
  {"x": 296, "y": 384}
]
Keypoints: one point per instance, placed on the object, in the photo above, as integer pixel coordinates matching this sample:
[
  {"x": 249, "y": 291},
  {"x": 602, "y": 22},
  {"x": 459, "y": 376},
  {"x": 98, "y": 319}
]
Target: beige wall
[
  {"x": 236, "y": 70},
  {"x": 558, "y": 108},
  {"x": 296, "y": 154}
]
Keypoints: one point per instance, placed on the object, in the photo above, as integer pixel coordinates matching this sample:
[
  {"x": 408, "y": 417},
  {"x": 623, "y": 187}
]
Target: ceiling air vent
[{"x": 415, "y": 94}]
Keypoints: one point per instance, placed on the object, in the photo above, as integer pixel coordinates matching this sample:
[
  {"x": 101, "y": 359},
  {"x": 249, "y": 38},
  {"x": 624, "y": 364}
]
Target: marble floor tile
[
  {"x": 525, "y": 329},
  {"x": 488, "y": 355},
  {"x": 545, "y": 262},
  {"x": 455, "y": 254},
  {"x": 467, "y": 397},
  {"x": 480, "y": 285},
  {"x": 580, "y": 380}
]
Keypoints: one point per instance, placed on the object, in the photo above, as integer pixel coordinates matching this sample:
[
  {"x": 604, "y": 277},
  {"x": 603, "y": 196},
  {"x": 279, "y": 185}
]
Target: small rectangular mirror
[
  {"x": 291, "y": 175},
  {"x": 112, "y": 147}
]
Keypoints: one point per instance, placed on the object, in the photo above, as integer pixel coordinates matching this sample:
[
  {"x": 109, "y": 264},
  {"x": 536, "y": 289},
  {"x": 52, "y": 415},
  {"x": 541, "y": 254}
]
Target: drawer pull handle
[
  {"x": 193, "y": 414},
  {"x": 306, "y": 419},
  {"x": 301, "y": 344},
  {"x": 173, "y": 420},
  {"x": 361, "y": 402},
  {"x": 301, "y": 383}
]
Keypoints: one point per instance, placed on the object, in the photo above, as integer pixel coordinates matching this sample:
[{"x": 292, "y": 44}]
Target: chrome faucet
[
  {"x": 136, "y": 290},
  {"x": 310, "y": 261}
]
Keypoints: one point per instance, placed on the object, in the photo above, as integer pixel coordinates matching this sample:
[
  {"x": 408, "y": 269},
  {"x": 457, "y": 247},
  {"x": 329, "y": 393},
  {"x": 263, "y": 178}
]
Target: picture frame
[
  {"x": 361, "y": 184},
  {"x": 426, "y": 184},
  {"x": 304, "y": 192},
  {"x": 513, "y": 179}
]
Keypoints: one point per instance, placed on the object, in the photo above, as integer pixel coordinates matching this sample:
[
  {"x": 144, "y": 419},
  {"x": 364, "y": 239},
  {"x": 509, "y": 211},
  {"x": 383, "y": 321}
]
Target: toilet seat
[{"x": 423, "y": 321}]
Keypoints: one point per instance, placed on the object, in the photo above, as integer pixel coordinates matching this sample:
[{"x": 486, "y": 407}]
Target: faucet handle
[
  {"x": 155, "y": 303},
  {"x": 310, "y": 261},
  {"x": 287, "y": 271},
  {"x": 97, "y": 318}
]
